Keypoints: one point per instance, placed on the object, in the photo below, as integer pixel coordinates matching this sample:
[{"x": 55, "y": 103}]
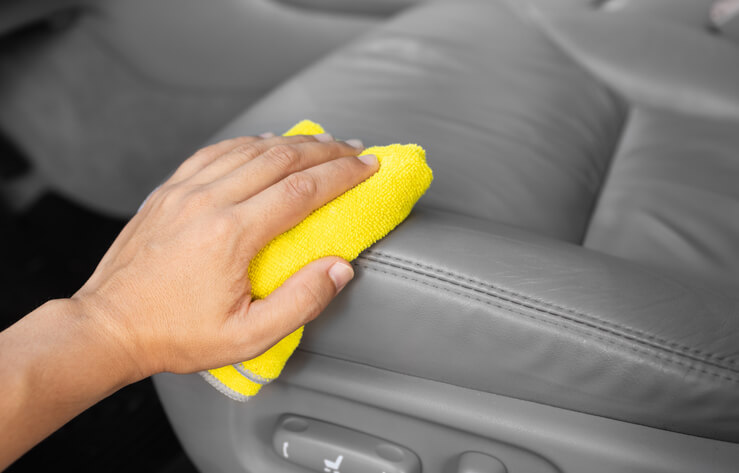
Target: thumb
[{"x": 298, "y": 300}]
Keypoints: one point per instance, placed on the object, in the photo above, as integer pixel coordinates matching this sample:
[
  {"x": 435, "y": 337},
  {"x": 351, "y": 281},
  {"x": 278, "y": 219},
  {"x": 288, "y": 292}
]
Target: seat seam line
[
  {"x": 590, "y": 321},
  {"x": 608, "y": 172},
  {"x": 620, "y": 344}
]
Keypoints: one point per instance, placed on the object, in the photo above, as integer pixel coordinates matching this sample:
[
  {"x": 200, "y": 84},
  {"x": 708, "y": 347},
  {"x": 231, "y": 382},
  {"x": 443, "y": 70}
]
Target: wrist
[
  {"x": 106, "y": 343},
  {"x": 57, "y": 361}
]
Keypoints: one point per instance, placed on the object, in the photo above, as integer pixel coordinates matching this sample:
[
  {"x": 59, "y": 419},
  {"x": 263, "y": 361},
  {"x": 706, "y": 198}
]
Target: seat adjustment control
[
  {"x": 327, "y": 448},
  {"x": 474, "y": 462}
]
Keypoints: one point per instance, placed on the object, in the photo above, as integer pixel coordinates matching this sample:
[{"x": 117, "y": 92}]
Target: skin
[{"x": 172, "y": 292}]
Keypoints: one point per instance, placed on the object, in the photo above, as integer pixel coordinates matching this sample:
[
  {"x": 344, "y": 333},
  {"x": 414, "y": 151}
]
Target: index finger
[
  {"x": 205, "y": 156},
  {"x": 284, "y": 204}
]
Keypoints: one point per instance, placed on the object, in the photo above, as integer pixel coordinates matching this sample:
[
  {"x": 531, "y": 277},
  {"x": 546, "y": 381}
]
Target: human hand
[{"x": 172, "y": 291}]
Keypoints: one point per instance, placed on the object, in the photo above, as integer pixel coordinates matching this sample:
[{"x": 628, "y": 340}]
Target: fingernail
[
  {"x": 340, "y": 274},
  {"x": 368, "y": 159},
  {"x": 267, "y": 134},
  {"x": 355, "y": 143},
  {"x": 324, "y": 137}
]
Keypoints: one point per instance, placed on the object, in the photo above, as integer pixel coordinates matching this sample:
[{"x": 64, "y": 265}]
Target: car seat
[{"x": 566, "y": 295}]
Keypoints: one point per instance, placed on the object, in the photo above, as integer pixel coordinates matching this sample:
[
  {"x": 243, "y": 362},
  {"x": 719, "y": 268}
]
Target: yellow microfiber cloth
[{"x": 343, "y": 227}]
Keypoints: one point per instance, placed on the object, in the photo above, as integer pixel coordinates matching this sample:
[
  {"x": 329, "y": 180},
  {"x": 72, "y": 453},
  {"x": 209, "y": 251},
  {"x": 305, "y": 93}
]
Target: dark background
[{"x": 47, "y": 251}]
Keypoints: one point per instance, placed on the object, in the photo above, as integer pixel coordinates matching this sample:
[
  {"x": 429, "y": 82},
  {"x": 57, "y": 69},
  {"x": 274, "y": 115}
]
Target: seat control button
[
  {"x": 474, "y": 462},
  {"x": 328, "y": 448}
]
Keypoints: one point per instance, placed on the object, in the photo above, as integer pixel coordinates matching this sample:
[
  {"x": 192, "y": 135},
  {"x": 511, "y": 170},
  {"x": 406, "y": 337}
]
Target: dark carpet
[{"x": 48, "y": 252}]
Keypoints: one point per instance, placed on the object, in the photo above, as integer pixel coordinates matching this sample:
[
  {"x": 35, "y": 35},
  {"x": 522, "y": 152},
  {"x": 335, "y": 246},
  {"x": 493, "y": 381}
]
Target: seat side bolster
[{"x": 492, "y": 308}]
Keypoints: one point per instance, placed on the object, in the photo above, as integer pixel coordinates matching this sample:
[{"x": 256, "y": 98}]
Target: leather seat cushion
[{"x": 525, "y": 125}]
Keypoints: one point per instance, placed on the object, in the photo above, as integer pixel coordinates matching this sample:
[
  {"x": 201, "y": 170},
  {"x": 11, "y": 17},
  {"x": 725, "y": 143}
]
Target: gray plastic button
[
  {"x": 473, "y": 462},
  {"x": 328, "y": 448}
]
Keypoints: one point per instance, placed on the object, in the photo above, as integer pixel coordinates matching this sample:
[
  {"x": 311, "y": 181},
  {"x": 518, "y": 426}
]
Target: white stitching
[
  {"x": 549, "y": 321},
  {"x": 668, "y": 345}
]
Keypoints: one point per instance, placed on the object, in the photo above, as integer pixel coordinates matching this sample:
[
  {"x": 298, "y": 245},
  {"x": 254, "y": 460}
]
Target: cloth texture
[{"x": 343, "y": 227}]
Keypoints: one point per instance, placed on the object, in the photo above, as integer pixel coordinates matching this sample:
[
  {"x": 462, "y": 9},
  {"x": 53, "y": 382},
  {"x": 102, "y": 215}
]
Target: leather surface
[
  {"x": 652, "y": 60},
  {"x": 560, "y": 127},
  {"x": 374, "y": 7},
  {"x": 672, "y": 197},
  {"x": 488, "y": 307},
  {"x": 692, "y": 12},
  {"x": 489, "y": 115}
]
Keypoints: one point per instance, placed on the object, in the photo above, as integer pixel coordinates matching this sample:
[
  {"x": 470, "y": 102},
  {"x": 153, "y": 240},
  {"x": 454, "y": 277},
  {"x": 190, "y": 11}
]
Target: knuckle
[
  {"x": 285, "y": 157},
  {"x": 224, "y": 224},
  {"x": 192, "y": 163},
  {"x": 245, "y": 151},
  {"x": 300, "y": 185},
  {"x": 201, "y": 153},
  {"x": 204, "y": 196},
  {"x": 194, "y": 200},
  {"x": 230, "y": 142},
  {"x": 172, "y": 196}
]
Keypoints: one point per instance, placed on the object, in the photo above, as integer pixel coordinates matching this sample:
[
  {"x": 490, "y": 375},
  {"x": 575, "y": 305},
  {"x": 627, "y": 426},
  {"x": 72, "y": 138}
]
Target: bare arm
[{"x": 171, "y": 294}]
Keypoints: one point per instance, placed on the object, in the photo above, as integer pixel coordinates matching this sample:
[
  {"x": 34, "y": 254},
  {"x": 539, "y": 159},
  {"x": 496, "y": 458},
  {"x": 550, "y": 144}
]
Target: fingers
[
  {"x": 244, "y": 153},
  {"x": 281, "y": 206},
  {"x": 206, "y": 155},
  {"x": 296, "y": 302},
  {"x": 276, "y": 163}
]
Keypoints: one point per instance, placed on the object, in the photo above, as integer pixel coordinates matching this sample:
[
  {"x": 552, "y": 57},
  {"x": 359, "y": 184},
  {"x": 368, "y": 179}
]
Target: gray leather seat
[{"x": 579, "y": 245}]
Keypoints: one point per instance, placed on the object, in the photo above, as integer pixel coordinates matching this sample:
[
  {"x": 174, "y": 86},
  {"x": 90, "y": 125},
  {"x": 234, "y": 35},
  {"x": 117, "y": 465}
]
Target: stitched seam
[
  {"x": 642, "y": 351},
  {"x": 647, "y": 338}
]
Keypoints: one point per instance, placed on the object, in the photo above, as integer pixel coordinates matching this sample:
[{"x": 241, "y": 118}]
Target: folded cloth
[{"x": 343, "y": 227}]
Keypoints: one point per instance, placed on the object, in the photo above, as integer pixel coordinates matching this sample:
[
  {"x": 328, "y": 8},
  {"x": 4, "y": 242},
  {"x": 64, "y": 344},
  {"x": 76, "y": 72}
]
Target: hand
[{"x": 172, "y": 291}]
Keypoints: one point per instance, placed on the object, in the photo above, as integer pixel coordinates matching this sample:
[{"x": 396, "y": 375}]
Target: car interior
[{"x": 564, "y": 298}]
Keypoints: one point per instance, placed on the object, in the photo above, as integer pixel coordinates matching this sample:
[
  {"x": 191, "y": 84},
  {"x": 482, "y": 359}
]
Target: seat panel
[
  {"x": 516, "y": 135},
  {"x": 672, "y": 199}
]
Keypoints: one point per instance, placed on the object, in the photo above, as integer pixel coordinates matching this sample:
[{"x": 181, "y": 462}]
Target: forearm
[
  {"x": 56, "y": 362},
  {"x": 171, "y": 293}
]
